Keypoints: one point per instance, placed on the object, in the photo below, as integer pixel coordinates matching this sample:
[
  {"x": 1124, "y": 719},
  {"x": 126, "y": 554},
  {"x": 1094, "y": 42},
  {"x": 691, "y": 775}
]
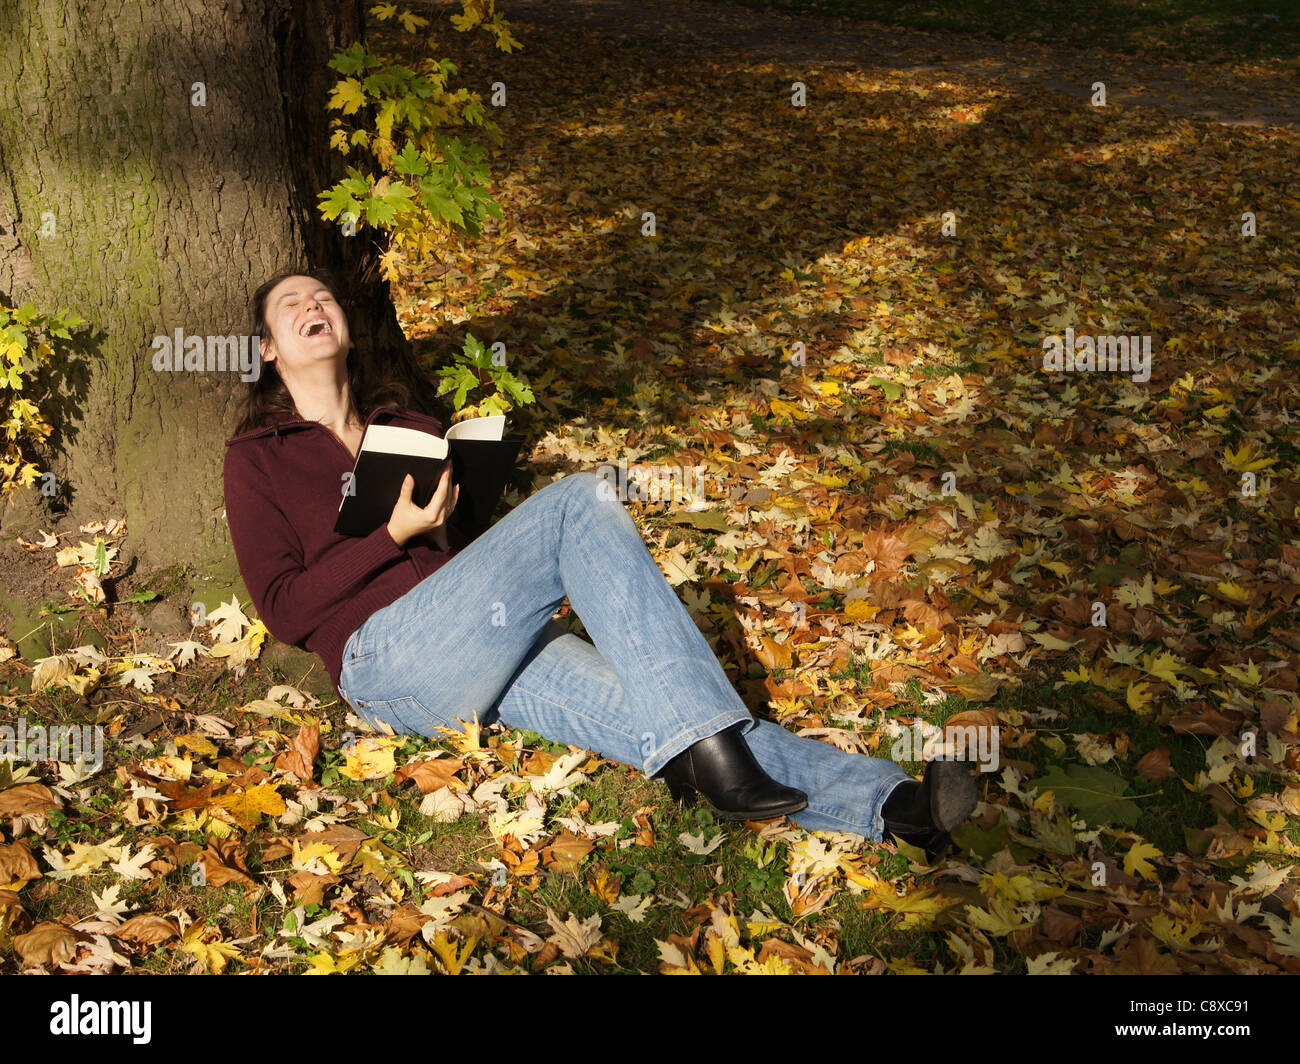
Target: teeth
[{"x": 325, "y": 327}]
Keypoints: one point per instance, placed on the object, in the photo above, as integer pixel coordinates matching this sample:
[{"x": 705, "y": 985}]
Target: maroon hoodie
[{"x": 312, "y": 587}]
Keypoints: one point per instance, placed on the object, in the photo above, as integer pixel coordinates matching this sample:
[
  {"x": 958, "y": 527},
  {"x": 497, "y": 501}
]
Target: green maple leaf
[
  {"x": 459, "y": 377},
  {"x": 336, "y": 200},
  {"x": 383, "y": 210},
  {"x": 440, "y": 203},
  {"x": 350, "y": 61},
  {"x": 1096, "y": 794}
]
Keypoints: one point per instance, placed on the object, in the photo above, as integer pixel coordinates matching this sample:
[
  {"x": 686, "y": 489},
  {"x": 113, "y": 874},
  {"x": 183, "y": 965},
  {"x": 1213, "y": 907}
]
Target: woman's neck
[{"x": 332, "y": 410}]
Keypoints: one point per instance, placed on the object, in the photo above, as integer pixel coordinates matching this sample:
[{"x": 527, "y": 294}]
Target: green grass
[{"x": 1223, "y": 30}]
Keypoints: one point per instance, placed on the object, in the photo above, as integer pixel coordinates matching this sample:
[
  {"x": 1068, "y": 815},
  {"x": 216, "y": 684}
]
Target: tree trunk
[{"x": 124, "y": 200}]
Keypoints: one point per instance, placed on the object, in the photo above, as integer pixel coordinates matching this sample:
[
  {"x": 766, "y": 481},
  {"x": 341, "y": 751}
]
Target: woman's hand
[{"x": 409, "y": 520}]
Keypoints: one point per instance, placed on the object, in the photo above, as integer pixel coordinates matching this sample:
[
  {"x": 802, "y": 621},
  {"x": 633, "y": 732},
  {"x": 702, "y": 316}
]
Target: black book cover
[{"x": 480, "y": 467}]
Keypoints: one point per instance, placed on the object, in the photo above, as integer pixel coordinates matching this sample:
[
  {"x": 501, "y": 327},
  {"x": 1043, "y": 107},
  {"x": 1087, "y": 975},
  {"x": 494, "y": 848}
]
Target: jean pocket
[{"x": 404, "y": 715}]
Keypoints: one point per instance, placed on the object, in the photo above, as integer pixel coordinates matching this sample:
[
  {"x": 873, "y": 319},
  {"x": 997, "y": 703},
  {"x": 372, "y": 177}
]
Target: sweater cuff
[{"x": 370, "y": 553}]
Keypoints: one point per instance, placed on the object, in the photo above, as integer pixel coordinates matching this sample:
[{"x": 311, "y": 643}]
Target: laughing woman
[{"x": 421, "y": 623}]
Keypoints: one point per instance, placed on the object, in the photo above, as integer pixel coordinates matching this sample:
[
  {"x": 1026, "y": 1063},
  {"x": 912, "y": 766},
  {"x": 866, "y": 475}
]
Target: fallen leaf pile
[{"x": 904, "y": 523}]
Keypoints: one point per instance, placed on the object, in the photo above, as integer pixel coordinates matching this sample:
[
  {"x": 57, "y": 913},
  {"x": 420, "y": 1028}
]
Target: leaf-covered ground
[{"x": 916, "y": 523}]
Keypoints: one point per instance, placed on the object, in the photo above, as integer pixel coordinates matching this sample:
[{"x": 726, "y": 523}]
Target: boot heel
[
  {"x": 682, "y": 792},
  {"x": 722, "y": 770}
]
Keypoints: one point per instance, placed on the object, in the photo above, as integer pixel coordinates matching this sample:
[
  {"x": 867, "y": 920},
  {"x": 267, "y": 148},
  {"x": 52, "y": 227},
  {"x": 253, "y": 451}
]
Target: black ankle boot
[
  {"x": 723, "y": 769},
  {"x": 922, "y": 814}
]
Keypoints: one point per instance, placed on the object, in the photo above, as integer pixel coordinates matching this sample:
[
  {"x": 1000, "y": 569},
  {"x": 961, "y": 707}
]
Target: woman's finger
[{"x": 440, "y": 495}]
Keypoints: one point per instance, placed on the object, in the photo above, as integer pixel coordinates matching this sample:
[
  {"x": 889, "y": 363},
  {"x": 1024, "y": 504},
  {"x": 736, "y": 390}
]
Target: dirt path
[{"x": 1254, "y": 97}]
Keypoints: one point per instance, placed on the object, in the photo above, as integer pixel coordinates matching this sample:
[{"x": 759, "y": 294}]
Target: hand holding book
[{"x": 409, "y": 520}]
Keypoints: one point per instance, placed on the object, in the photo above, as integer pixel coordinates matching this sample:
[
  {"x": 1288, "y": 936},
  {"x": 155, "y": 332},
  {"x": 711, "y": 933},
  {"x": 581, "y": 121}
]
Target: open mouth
[{"x": 317, "y": 327}]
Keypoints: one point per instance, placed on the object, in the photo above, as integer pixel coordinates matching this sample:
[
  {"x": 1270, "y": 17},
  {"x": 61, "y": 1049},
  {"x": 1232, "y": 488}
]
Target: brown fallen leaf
[
  {"x": 1200, "y": 718},
  {"x": 275, "y": 848},
  {"x": 49, "y": 943},
  {"x": 308, "y": 888},
  {"x": 224, "y": 861},
  {"x": 430, "y": 775},
  {"x": 147, "y": 929},
  {"x": 26, "y": 799},
  {"x": 798, "y": 958},
  {"x": 1142, "y": 956},
  {"x": 566, "y": 853},
  {"x": 17, "y": 866},
  {"x": 343, "y": 838},
  {"x": 972, "y": 718},
  {"x": 299, "y": 758},
  {"x": 12, "y": 913},
  {"x": 1154, "y": 765},
  {"x": 452, "y": 885},
  {"x": 404, "y": 925}
]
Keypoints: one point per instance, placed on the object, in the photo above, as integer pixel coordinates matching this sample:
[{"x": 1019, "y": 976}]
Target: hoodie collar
[{"x": 296, "y": 423}]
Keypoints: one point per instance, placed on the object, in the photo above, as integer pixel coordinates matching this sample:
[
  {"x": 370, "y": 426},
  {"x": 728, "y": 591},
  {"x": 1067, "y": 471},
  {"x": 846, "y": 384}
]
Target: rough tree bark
[{"x": 122, "y": 200}]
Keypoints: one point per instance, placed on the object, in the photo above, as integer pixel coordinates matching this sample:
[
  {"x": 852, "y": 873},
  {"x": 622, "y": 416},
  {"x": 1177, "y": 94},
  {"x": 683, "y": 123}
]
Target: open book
[{"x": 481, "y": 461}]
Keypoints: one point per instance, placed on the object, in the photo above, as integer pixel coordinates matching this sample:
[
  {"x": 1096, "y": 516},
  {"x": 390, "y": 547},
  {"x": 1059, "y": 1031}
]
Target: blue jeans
[{"x": 476, "y": 639}]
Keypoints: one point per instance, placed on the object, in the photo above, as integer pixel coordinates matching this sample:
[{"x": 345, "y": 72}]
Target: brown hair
[{"x": 268, "y": 401}]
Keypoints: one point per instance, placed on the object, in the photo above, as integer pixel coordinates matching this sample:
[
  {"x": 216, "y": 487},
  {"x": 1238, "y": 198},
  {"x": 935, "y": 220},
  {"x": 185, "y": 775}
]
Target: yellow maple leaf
[
  {"x": 411, "y": 21},
  {"x": 1134, "y": 594},
  {"x": 197, "y": 744},
  {"x": 783, "y": 409},
  {"x": 1137, "y": 863},
  {"x": 247, "y": 806},
  {"x": 242, "y": 650},
  {"x": 1250, "y": 675},
  {"x": 453, "y": 959},
  {"x": 1232, "y": 591},
  {"x": 1138, "y": 697},
  {"x": 322, "y": 855},
  {"x": 369, "y": 758},
  {"x": 1246, "y": 459},
  {"x": 860, "y": 610},
  {"x": 347, "y": 95},
  {"x": 1162, "y": 666},
  {"x": 204, "y": 941},
  {"x": 326, "y": 964},
  {"x": 1001, "y": 918},
  {"x": 1272, "y": 821},
  {"x": 1178, "y": 934},
  {"x": 916, "y": 904}
]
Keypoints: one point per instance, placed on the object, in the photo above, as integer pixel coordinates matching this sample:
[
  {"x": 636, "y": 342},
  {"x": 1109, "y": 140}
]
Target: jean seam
[
  {"x": 631, "y": 629},
  {"x": 373, "y": 718},
  {"x": 439, "y": 722}
]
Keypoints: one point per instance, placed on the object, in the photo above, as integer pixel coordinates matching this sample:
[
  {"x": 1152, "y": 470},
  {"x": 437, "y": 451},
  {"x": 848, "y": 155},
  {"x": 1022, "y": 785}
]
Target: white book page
[
  {"x": 479, "y": 428},
  {"x": 391, "y": 439}
]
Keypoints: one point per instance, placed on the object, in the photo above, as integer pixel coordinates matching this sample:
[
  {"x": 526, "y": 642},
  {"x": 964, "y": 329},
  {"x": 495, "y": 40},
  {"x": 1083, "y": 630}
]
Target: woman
[{"x": 421, "y": 624}]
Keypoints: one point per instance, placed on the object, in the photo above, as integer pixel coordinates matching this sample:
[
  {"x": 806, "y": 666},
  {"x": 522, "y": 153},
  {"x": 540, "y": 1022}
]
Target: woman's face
[{"x": 307, "y": 326}]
